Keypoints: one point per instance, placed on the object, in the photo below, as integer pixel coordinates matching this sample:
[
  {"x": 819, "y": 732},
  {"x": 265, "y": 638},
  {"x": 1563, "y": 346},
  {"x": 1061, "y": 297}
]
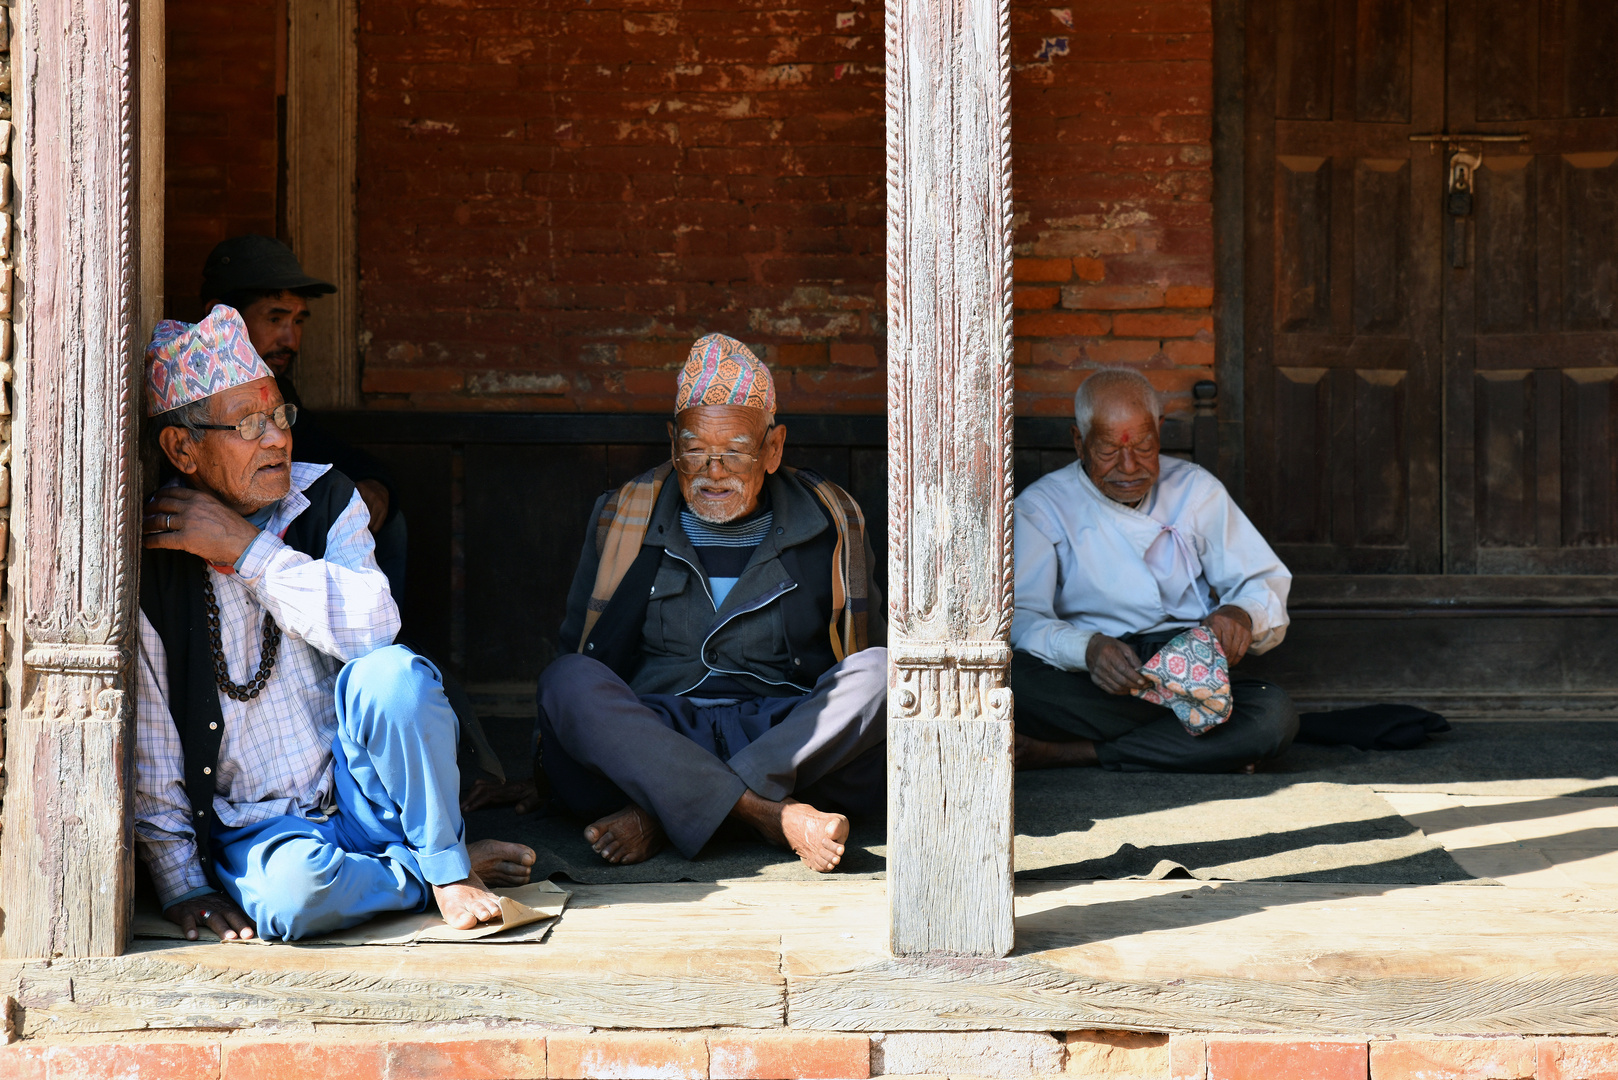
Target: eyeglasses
[
  {"x": 693, "y": 462},
  {"x": 251, "y": 427}
]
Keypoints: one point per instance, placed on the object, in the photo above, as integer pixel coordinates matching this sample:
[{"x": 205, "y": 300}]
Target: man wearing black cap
[{"x": 261, "y": 278}]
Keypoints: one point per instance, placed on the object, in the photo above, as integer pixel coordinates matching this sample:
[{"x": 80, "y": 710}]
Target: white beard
[{"x": 711, "y": 514}]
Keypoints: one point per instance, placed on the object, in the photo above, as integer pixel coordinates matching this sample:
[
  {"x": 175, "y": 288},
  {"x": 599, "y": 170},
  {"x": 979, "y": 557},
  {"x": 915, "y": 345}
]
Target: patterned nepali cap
[
  {"x": 722, "y": 371},
  {"x": 187, "y": 362}
]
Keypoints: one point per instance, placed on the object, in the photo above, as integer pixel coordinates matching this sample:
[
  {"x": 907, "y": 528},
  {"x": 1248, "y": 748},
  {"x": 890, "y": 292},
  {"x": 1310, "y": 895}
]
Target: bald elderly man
[
  {"x": 1116, "y": 555},
  {"x": 720, "y": 665}
]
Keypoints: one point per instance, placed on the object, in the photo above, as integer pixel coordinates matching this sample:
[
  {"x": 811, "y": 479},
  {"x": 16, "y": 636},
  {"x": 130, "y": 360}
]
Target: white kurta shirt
[
  {"x": 275, "y": 756},
  {"x": 1089, "y": 565}
]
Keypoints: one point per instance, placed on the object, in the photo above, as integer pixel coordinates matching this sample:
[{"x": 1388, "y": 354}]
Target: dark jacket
[{"x": 771, "y": 634}]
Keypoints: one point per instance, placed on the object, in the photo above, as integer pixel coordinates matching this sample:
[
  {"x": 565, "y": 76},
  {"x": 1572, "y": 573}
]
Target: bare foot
[
  {"x": 1032, "y": 753},
  {"x": 629, "y": 836},
  {"x": 500, "y": 863},
  {"x": 817, "y": 837},
  {"x": 487, "y": 792},
  {"x": 467, "y": 902}
]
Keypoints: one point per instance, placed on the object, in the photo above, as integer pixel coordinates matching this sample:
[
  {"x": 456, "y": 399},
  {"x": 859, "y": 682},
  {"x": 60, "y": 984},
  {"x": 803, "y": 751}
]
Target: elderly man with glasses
[
  {"x": 319, "y": 789},
  {"x": 720, "y": 663}
]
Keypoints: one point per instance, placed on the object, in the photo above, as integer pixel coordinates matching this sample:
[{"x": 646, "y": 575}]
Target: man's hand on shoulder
[
  {"x": 376, "y": 499},
  {"x": 1114, "y": 666},
  {"x": 216, "y": 911},
  {"x": 1234, "y": 628},
  {"x": 185, "y": 519}
]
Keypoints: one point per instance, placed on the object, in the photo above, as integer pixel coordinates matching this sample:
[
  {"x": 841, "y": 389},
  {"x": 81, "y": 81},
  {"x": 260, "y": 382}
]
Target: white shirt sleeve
[
  {"x": 341, "y": 604},
  {"x": 1035, "y": 627},
  {"x": 162, "y": 811},
  {"x": 1244, "y": 570}
]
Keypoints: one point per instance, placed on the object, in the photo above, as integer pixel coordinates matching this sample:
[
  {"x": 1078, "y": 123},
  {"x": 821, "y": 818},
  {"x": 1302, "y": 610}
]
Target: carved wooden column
[
  {"x": 949, "y": 477},
  {"x": 65, "y": 859}
]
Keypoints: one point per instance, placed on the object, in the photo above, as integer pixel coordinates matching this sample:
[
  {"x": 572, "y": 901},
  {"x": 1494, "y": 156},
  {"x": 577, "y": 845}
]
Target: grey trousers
[
  {"x": 1132, "y": 735},
  {"x": 688, "y": 763}
]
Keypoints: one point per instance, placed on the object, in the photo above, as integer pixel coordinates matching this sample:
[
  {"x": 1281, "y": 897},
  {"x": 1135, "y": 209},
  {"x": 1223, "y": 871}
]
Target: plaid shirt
[{"x": 276, "y": 755}]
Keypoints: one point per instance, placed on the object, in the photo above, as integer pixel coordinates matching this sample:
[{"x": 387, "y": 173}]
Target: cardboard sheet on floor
[{"x": 527, "y": 914}]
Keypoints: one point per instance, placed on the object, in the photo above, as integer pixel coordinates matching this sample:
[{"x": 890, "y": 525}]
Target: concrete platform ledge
[{"x": 360, "y": 1054}]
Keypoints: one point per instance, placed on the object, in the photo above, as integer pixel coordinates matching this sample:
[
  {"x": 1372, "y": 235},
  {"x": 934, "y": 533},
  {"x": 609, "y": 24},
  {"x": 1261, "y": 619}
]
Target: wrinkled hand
[
  {"x": 217, "y": 912},
  {"x": 185, "y": 519},
  {"x": 1234, "y": 629},
  {"x": 376, "y": 501},
  {"x": 1114, "y": 666},
  {"x": 486, "y": 792}
]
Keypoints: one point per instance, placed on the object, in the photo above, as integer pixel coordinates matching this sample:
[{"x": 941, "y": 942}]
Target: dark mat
[{"x": 1293, "y": 825}]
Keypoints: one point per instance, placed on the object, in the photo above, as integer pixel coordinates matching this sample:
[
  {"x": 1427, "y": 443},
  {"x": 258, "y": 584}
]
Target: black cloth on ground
[{"x": 1371, "y": 727}]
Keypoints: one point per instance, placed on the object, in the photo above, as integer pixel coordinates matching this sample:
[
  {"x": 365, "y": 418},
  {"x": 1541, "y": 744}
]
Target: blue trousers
[{"x": 397, "y": 829}]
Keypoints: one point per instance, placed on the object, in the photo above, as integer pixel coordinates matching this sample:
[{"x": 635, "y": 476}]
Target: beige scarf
[{"x": 621, "y": 528}]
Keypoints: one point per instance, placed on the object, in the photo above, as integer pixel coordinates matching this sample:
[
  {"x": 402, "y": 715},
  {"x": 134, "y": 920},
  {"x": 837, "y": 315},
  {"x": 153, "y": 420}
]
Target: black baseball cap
[{"x": 259, "y": 263}]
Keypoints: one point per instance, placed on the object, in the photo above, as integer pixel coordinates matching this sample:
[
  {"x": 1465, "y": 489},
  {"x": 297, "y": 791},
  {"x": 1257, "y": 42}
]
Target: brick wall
[
  {"x": 556, "y": 197},
  {"x": 1111, "y": 113},
  {"x": 222, "y": 148}
]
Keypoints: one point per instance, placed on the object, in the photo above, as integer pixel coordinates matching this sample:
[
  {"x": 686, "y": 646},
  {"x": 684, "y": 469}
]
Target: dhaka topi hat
[
  {"x": 259, "y": 263},
  {"x": 187, "y": 362},
  {"x": 723, "y": 371}
]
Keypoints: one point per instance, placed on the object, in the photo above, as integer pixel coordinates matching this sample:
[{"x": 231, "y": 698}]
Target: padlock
[{"x": 1462, "y": 169}]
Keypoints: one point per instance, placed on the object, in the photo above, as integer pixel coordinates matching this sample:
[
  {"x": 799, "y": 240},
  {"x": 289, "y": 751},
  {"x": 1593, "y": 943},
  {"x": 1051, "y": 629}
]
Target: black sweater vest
[{"x": 171, "y": 598}]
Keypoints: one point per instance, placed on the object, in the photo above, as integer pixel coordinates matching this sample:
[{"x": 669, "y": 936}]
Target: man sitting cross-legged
[
  {"x": 1116, "y": 555},
  {"x": 294, "y": 772},
  {"x": 721, "y": 668}
]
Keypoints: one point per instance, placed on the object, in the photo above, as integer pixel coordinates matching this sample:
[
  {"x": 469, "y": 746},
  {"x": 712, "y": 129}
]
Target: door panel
[
  {"x": 1531, "y": 322},
  {"x": 1343, "y": 368},
  {"x": 1406, "y": 414}
]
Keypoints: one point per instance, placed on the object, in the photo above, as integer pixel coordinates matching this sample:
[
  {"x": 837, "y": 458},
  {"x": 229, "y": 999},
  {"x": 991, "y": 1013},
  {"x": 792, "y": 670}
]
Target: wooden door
[
  {"x": 1343, "y": 292},
  {"x": 1531, "y": 322}
]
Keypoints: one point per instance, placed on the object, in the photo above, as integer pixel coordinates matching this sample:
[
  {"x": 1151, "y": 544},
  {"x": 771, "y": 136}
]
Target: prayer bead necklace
[{"x": 272, "y": 643}]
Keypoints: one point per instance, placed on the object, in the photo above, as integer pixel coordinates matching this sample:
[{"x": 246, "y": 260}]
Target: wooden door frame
[
  {"x": 1230, "y": 239},
  {"x": 322, "y": 149}
]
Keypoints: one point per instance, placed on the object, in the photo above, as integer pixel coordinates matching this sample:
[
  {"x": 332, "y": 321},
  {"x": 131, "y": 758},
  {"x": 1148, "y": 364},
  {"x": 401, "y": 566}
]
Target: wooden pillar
[
  {"x": 322, "y": 146},
  {"x": 949, "y": 477},
  {"x": 66, "y": 861}
]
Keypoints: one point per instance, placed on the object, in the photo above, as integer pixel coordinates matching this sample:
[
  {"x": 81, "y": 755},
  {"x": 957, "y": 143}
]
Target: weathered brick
[
  {"x": 1086, "y": 269},
  {"x": 467, "y": 1059},
  {"x": 1184, "y": 296},
  {"x": 627, "y": 1056},
  {"x": 789, "y": 1056},
  {"x": 1190, "y": 353},
  {"x": 1160, "y": 326},
  {"x": 1041, "y": 269},
  {"x": 1054, "y": 324},
  {"x": 1188, "y": 1057},
  {"x": 843, "y": 355},
  {"x": 23, "y": 1063},
  {"x": 116, "y": 1060},
  {"x": 1027, "y": 298},
  {"x": 1577, "y": 1059},
  {"x": 300, "y": 1059},
  {"x": 380, "y": 380},
  {"x": 1111, "y": 297},
  {"x": 1117, "y": 1055},
  {"x": 1287, "y": 1058},
  {"x": 1508, "y": 1058},
  {"x": 1011, "y": 1055}
]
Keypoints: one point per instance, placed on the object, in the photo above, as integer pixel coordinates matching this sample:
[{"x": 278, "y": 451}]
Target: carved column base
[
  {"x": 66, "y": 855},
  {"x": 950, "y": 772}
]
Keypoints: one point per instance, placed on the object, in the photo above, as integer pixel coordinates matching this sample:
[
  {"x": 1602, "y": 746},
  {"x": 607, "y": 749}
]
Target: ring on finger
[{"x": 207, "y": 914}]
